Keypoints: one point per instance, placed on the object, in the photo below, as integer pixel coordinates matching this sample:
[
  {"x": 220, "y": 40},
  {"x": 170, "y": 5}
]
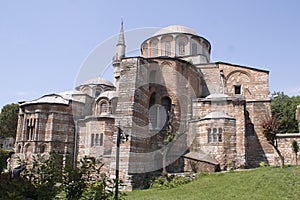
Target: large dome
[
  {"x": 98, "y": 81},
  {"x": 175, "y": 29}
]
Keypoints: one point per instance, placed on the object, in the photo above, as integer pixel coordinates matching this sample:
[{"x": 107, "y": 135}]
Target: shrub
[{"x": 164, "y": 182}]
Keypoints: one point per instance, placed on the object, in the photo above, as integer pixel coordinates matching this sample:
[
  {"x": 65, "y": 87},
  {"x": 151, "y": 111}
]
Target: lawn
[{"x": 262, "y": 183}]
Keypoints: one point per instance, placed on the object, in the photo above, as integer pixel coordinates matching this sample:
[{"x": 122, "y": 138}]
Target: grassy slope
[{"x": 263, "y": 183}]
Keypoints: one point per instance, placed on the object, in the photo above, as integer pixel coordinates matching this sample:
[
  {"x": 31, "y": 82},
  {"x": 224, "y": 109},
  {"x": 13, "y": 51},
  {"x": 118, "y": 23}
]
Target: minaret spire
[{"x": 120, "y": 51}]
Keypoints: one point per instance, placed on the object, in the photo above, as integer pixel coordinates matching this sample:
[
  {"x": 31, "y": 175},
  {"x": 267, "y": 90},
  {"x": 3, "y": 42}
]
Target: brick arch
[
  {"x": 238, "y": 71},
  {"x": 98, "y": 104}
]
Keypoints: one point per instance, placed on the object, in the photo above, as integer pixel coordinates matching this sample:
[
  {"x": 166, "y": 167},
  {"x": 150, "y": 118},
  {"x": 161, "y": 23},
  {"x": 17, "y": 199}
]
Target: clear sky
[{"x": 43, "y": 44}]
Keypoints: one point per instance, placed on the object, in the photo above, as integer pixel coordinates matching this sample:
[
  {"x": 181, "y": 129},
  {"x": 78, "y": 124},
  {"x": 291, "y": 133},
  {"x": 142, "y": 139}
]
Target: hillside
[{"x": 263, "y": 183}]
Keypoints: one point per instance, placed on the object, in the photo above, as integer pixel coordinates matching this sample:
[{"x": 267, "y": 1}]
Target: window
[
  {"x": 181, "y": 48},
  {"x": 154, "y": 49},
  {"x": 97, "y": 139},
  {"x": 30, "y": 125},
  {"x": 220, "y": 135},
  {"x": 103, "y": 107},
  {"x": 92, "y": 140},
  {"x": 214, "y": 135},
  {"x": 97, "y": 93},
  {"x": 167, "y": 48},
  {"x": 209, "y": 136},
  {"x": 194, "y": 49},
  {"x": 237, "y": 89},
  {"x": 101, "y": 139}
]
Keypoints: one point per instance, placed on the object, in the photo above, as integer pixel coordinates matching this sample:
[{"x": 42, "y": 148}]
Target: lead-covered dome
[
  {"x": 178, "y": 42},
  {"x": 175, "y": 29}
]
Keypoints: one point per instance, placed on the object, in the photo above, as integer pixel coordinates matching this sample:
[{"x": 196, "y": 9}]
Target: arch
[
  {"x": 154, "y": 47},
  {"x": 194, "y": 49},
  {"x": 103, "y": 107},
  {"x": 237, "y": 71},
  {"x": 166, "y": 43},
  {"x": 166, "y": 102},
  {"x": 145, "y": 50},
  {"x": 181, "y": 44}
]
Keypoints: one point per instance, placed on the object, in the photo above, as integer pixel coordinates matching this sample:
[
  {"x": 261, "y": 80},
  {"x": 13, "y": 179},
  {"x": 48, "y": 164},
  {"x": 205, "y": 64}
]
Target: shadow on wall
[{"x": 254, "y": 150}]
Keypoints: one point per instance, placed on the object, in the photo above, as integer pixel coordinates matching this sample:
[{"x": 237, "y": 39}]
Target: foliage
[
  {"x": 17, "y": 189},
  {"x": 45, "y": 178},
  {"x": 164, "y": 182},
  {"x": 43, "y": 172},
  {"x": 270, "y": 128},
  {"x": 85, "y": 181},
  {"x": 4, "y": 155},
  {"x": 9, "y": 120},
  {"x": 260, "y": 183},
  {"x": 284, "y": 108}
]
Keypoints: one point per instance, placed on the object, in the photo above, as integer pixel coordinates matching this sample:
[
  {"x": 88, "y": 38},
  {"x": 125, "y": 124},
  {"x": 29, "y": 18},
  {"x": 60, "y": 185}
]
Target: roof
[
  {"x": 98, "y": 81},
  {"x": 175, "y": 29},
  {"x": 201, "y": 156},
  {"x": 49, "y": 98},
  {"x": 68, "y": 94},
  {"x": 108, "y": 94},
  {"x": 217, "y": 96},
  {"x": 217, "y": 115}
]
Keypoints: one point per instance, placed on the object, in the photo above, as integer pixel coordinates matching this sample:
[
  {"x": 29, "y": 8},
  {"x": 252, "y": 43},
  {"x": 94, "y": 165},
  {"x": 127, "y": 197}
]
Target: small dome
[
  {"x": 98, "y": 81},
  {"x": 217, "y": 115},
  {"x": 175, "y": 29},
  {"x": 108, "y": 94}
]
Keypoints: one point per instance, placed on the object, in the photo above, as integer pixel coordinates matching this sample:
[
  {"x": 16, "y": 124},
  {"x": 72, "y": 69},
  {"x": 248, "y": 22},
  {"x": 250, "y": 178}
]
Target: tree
[
  {"x": 284, "y": 108},
  {"x": 9, "y": 120},
  {"x": 295, "y": 149},
  {"x": 270, "y": 130}
]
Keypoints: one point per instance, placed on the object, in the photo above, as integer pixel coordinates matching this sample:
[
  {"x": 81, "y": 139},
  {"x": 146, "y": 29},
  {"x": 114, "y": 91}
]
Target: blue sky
[{"x": 43, "y": 44}]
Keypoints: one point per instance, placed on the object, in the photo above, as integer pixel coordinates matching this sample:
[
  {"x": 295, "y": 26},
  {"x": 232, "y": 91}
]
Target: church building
[{"x": 213, "y": 112}]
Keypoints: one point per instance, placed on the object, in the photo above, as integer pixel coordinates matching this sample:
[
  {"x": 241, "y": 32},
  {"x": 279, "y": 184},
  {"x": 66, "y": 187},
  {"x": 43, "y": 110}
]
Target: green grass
[{"x": 263, "y": 183}]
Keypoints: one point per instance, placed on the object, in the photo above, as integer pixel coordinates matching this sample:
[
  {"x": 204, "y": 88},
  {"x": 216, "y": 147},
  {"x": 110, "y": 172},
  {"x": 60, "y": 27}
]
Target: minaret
[{"x": 120, "y": 53}]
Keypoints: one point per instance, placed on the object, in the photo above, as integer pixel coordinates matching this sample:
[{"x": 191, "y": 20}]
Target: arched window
[
  {"x": 209, "y": 136},
  {"x": 194, "y": 49},
  {"x": 92, "y": 140},
  {"x": 97, "y": 93},
  {"x": 154, "y": 49},
  {"x": 103, "y": 107},
  {"x": 181, "y": 48},
  {"x": 167, "y": 48},
  {"x": 101, "y": 139},
  {"x": 19, "y": 149},
  {"x": 97, "y": 140}
]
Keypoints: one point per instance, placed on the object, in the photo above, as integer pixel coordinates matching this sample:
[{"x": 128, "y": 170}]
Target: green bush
[
  {"x": 4, "y": 155},
  {"x": 164, "y": 182}
]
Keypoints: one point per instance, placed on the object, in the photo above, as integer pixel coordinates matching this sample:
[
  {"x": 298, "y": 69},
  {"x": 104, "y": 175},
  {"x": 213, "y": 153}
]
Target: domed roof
[
  {"x": 175, "y": 29},
  {"x": 217, "y": 115},
  {"x": 108, "y": 94},
  {"x": 98, "y": 81}
]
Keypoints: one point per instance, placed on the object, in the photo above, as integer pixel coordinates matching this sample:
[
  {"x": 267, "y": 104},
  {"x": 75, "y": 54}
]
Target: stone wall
[{"x": 285, "y": 142}]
